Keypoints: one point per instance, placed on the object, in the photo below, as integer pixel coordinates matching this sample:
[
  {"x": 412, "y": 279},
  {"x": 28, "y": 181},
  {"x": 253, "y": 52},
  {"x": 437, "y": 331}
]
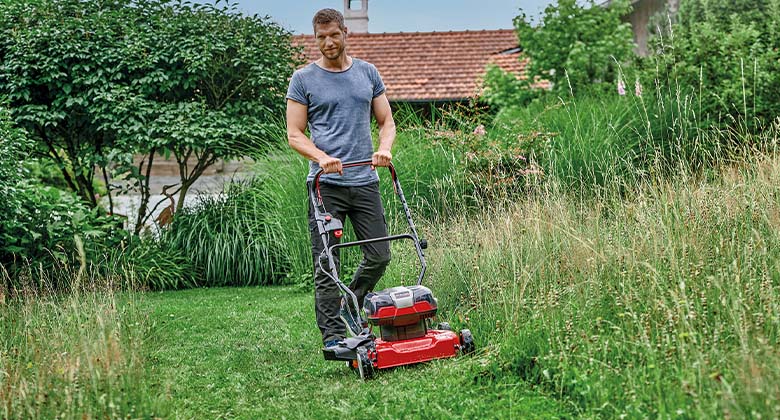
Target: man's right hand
[{"x": 331, "y": 165}]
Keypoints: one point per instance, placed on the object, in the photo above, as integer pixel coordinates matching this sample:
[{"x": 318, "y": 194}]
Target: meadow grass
[
  {"x": 661, "y": 303},
  {"x": 73, "y": 356}
]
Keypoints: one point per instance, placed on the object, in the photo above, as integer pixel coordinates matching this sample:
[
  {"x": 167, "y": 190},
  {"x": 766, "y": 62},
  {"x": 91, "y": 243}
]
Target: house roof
[{"x": 426, "y": 66}]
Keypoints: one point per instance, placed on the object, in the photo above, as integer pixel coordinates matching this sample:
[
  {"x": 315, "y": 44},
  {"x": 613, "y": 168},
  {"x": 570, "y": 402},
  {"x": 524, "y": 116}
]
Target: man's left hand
[{"x": 381, "y": 158}]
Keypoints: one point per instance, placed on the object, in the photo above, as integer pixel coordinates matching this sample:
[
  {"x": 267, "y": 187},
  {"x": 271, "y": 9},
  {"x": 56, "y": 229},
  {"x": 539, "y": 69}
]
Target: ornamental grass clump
[{"x": 233, "y": 238}]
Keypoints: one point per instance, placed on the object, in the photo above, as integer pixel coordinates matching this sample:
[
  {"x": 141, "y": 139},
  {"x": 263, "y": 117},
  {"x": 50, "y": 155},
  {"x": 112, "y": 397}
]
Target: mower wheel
[
  {"x": 444, "y": 326},
  {"x": 466, "y": 342},
  {"x": 365, "y": 367}
]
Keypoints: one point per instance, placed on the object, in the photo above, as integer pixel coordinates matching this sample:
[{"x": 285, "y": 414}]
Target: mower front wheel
[
  {"x": 466, "y": 342},
  {"x": 365, "y": 366}
]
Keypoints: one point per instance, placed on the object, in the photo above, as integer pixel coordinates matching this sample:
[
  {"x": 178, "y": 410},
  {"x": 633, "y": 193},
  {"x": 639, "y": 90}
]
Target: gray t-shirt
[{"x": 339, "y": 113}]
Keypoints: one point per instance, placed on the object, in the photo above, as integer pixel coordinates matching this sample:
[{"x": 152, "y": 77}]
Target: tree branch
[
  {"x": 53, "y": 153},
  {"x": 143, "y": 185}
]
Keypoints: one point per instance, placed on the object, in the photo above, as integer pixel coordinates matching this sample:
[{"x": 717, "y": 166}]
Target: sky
[{"x": 401, "y": 15}]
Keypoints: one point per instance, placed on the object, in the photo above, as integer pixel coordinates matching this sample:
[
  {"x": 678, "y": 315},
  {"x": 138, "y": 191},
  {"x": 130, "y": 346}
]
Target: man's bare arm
[
  {"x": 296, "y": 138},
  {"x": 384, "y": 118}
]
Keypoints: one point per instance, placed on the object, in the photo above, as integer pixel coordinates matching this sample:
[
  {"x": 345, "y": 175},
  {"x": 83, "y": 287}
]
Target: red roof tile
[{"x": 431, "y": 65}]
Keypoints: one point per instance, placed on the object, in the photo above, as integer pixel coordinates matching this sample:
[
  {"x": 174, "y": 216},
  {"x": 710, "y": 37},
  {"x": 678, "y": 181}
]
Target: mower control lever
[{"x": 330, "y": 224}]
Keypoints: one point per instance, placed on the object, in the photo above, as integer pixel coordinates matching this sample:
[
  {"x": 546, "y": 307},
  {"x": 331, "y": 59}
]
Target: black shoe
[
  {"x": 330, "y": 345},
  {"x": 332, "y": 348},
  {"x": 349, "y": 319}
]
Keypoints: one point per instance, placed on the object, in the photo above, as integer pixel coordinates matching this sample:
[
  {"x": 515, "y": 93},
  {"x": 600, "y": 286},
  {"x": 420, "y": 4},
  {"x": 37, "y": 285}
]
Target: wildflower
[
  {"x": 480, "y": 130},
  {"x": 621, "y": 88},
  {"x": 637, "y": 88}
]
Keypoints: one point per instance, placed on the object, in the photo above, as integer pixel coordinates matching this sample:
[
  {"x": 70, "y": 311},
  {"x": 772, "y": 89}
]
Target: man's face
[{"x": 330, "y": 39}]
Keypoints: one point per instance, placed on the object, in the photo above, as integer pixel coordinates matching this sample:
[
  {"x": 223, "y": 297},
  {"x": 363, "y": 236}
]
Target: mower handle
[
  {"x": 419, "y": 245},
  {"x": 353, "y": 164}
]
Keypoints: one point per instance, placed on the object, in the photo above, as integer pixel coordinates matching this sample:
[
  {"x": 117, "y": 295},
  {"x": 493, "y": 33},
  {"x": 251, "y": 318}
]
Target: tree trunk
[
  {"x": 185, "y": 186},
  {"x": 108, "y": 190},
  {"x": 204, "y": 161},
  {"x": 145, "y": 194}
]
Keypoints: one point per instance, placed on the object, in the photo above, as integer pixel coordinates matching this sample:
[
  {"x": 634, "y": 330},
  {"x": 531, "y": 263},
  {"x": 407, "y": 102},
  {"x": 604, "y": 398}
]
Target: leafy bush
[
  {"x": 575, "y": 47},
  {"x": 43, "y": 223},
  {"x": 13, "y": 146},
  {"x": 233, "y": 238},
  {"x": 723, "y": 55},
  {"x": 144, "y": 264}
]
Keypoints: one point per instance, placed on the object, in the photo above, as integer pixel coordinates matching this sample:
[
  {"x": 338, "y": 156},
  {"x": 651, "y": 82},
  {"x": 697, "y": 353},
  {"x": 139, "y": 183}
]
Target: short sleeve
[
  {"x": 376, "y": 79},
  {"x": 296, "y": 91}
]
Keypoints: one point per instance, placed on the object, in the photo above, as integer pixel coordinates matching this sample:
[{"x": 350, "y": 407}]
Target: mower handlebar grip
[{"x": 352, "y": 164}]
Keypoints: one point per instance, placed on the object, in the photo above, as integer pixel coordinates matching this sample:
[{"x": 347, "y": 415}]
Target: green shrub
[
  {"x": 145, "y": 264},
  {"x": 723, "y": 55},
  {"x": 13, "y": 146},
  {"x": 233, "y": 238},
  {"x": 44, "y": 224},
  {"x": 575, "y": 47}
]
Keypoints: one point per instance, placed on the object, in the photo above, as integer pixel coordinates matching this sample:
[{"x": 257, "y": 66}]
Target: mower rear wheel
[
  {"x": 466, "y": 342},
  {"x": 364, "y": 365}
]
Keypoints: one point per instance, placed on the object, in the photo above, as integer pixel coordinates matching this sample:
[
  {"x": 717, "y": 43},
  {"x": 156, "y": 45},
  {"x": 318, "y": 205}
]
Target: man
[{"x": 335, "y": 97}]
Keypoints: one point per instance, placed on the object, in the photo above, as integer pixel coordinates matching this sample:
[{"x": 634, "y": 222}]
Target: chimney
[{"x": 356, "y": 15}]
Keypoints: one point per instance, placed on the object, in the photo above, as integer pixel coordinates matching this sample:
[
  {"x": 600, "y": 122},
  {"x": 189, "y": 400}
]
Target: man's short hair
[{"x": 325, "y": 16}]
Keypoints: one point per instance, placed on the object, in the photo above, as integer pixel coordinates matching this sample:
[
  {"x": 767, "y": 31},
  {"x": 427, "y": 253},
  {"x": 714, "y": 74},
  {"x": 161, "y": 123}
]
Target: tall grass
[
  {"x": 75, "y": 355},
  {"x": 234, "y": 238},
  {"x": 662, "y": 303},
  {"x": 257, "y": 232}
]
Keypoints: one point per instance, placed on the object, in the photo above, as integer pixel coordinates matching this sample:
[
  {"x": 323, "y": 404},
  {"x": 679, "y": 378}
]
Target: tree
[
  {"x": 96, "y": 82},
  {"x": 57, "y": 60}
]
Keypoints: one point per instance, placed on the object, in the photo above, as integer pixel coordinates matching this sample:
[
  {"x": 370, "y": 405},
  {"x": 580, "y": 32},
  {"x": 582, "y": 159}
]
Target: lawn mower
[{"x": 396, "y": 329}]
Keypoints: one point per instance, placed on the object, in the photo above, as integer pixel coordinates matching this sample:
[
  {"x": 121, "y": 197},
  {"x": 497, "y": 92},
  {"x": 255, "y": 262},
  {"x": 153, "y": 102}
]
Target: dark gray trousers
[{"x": 363, "y": 206}]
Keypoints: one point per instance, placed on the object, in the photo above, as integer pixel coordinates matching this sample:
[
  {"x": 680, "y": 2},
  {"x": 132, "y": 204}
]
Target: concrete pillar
[{"x": 356, "y": 19}]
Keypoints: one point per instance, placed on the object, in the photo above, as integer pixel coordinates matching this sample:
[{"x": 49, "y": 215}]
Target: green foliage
[
  {"x": 575, "y": 47},
  {"x": 591, "y": 141},
  {"x": 145, "y": 264},
  {"x": 724, "y": 55},
  {"x": 13, "y": 146},
  {"x": 59, "y": 61},
  {"x": 43, "y": 223},
  {"x": 95, "y": 82},
  {"x": 504, "y": 90}
]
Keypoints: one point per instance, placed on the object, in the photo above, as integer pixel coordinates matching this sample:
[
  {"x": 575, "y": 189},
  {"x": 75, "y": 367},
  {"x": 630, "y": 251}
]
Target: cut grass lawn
[{"x": 255, "y": 353}]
